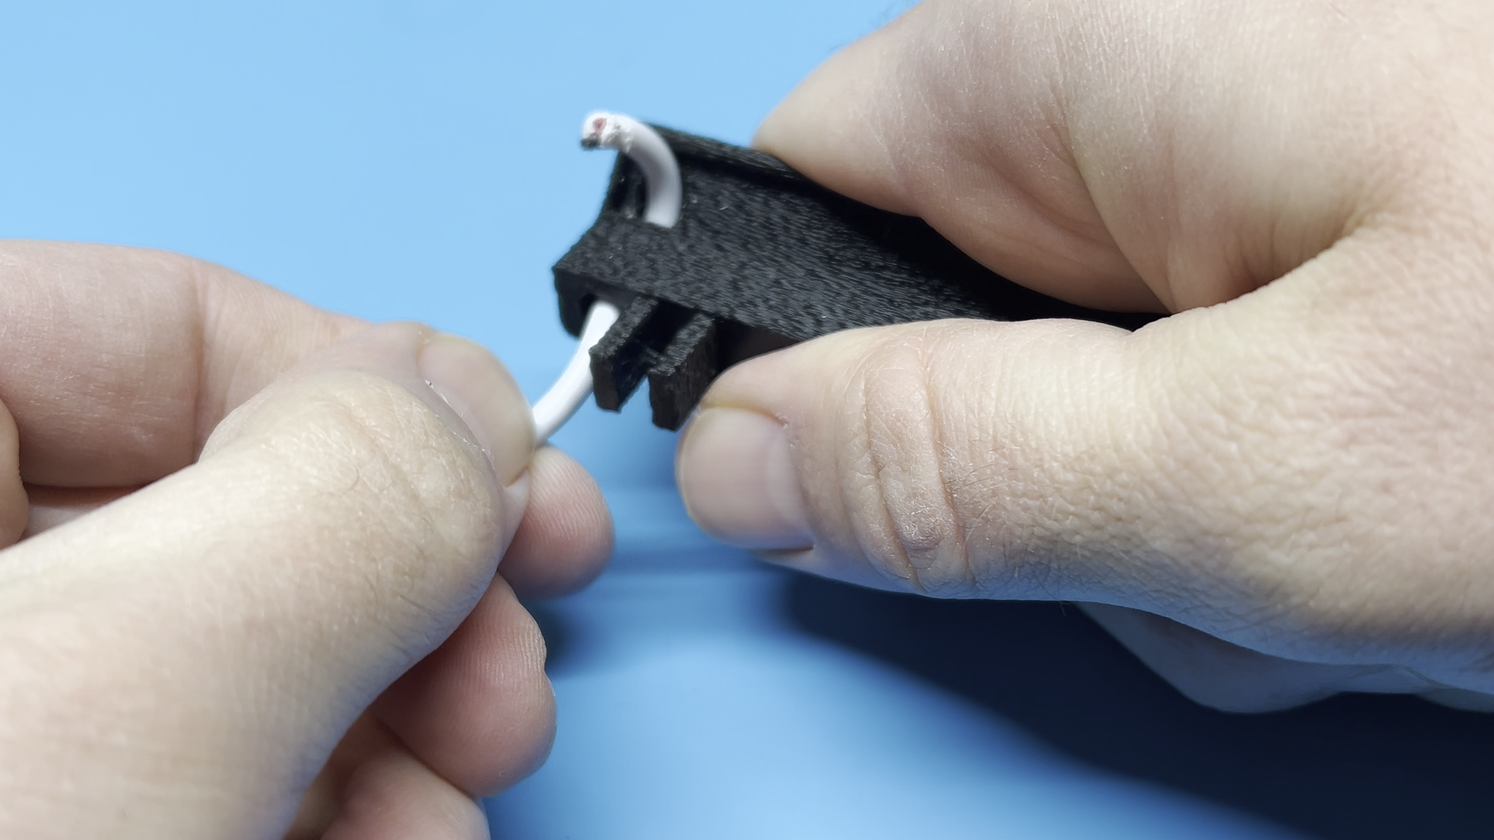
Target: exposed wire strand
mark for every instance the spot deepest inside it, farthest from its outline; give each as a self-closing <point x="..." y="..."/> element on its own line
<point x="643" y="145"/>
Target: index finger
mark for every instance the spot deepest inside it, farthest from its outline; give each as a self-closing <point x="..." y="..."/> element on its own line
<point x="122" y="361"/>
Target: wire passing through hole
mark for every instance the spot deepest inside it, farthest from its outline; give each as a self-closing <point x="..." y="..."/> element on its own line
<point x="661" y="172"/>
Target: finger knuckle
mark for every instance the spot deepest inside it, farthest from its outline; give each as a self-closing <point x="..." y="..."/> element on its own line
<point x="372" y="451"/>
<point x="897" y="473"/>
<point x="407" y="451"/>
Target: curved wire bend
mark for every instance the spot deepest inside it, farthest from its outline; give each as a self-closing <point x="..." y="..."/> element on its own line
<point x="661" y="172"/>
<point x="646" y="148"/>
<point x="574" y="384"/>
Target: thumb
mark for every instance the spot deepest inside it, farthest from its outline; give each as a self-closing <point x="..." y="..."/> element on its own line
<point x="1200" y="468"/>
<point x="954" y="458"/>
<point x="239" y="614"/>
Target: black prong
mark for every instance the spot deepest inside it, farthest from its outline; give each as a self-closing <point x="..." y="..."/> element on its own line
<point x="684" y="372"/>
<point x="618" y="361"/>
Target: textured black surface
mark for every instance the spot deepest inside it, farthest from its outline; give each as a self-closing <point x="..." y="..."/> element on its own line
<point x="761" y="257"/>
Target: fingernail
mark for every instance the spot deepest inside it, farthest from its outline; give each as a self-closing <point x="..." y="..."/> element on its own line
<point x="736" y="474"/>
<point x="483" y="394"/>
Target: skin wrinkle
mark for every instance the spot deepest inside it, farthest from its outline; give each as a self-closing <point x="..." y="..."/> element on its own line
<point x="201" y="411"/>
<point x="237" y="376"/>
<point x="1027" y="567"/>
<point x="888" y="417"/>
<point x="947" y="550"/>
<point x="1080" y="237"/>
<point x="878" y="539"/>
<point x="991" y="479"/>
<point x="1092" y="235"/>
<point x="1232" y="267"/>
<point x="1181" y="261"/>
<point x="869" y="136"/>
<point x="386" y="732"/>
<point x="910" y="168"/>
<point x="945" y="457"/>
<point x="928" y="531"/>
<point x="1097" y="179"/>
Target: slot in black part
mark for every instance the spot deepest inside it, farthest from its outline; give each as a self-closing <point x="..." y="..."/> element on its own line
<point x="684" y="371"/>
<point x="616" y="367"/>
<point x="636" y="345"/>
<point x="769" y="258"/>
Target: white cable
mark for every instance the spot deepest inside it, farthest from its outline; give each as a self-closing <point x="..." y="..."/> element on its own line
<point x="661" y="172"/>
<point x="646" y="148"/>
<point x="574" y="384"/>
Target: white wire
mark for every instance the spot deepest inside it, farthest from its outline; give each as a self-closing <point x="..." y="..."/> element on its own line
<point x="574" y="384"/>
<point x="646" y="148"/>
<point x="661" y="172"/>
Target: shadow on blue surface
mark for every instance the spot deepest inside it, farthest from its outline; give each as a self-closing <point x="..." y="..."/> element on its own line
<point x="1355" y="766"/>
<point x="691" y="705"/>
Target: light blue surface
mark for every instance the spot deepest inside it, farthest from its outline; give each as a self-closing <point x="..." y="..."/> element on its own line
<point x="694" y="709"/>
<point x="419" y="160"/>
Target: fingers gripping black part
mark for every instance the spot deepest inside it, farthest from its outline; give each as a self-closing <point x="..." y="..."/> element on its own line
<point x="761" y="258"/>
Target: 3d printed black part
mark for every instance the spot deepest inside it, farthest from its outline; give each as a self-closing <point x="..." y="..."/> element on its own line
<point x="761" y="258"/>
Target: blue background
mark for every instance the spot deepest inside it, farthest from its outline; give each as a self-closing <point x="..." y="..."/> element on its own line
<point x="396" y="159"/>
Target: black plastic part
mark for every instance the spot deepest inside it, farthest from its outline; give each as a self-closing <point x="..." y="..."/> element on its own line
<point x="761" y="258"/>
<point x="680" y="378"/>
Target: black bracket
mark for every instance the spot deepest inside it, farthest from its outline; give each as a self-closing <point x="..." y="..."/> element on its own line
<point x="761" y="258"/>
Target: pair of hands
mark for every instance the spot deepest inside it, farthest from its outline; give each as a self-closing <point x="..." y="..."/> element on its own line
<point x="1272" y="496"/>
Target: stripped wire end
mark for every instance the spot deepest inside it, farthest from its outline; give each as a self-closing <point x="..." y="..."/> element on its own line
<point x="643" y="145"/>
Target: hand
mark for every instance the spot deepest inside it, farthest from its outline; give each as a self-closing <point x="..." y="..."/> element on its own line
<point x="256" y="591"/>
<point x="1280" y="492"/>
